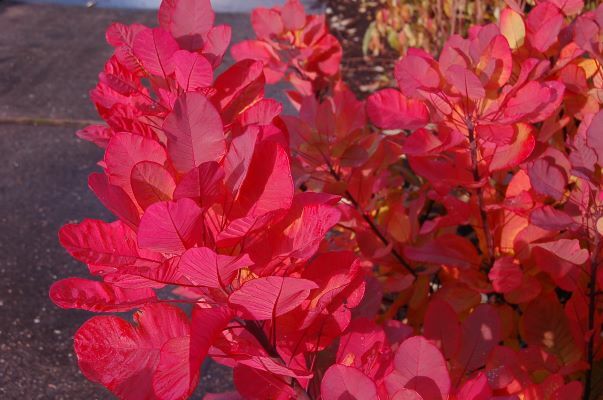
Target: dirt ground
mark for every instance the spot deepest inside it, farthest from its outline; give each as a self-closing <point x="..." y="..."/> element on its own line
<point x="49" y="58"/>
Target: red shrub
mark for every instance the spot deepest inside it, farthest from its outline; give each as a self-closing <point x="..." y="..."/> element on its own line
<point x="445" y="242"/>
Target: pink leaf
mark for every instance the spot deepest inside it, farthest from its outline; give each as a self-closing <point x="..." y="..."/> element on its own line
<point x="98" y="296"/>
<point x="481" y="333"/>
<point x="406" y="394"/>
<point x="217" y="41"/>
<point x="450" y="250"/>
<point x="261" y="113"/>
<point x="124" y="151"/>
<point x="115" y="199"/>
<point x="189" y="21"/>
<point x="203" y="184"/>
<point x="192" y="70"/>
<point x="551" y="219"/>
<point x="238" y="158"/>
<point x="465" y="81"/>
<point x="293" y="14"/>
<point x="255" y="384"/>
<point x="151" y="183"/>
<point x="155" y="48"/>
<point x="342" y="382"/>
<point x="173" y="379"/>
<point x="476" y="389"/>
<point x="390" y="109"/>
<point x="266" y="22"/>
<point x="124" y="357"/>
<point x="543" y="25"/>
<point x="420" y="366"/>
<point x="415" y="72"/>
<point x="594" y="137"/>
<point x="566" y="249"/>
<point x="547" y="178"/>
<point x="270" y="297"/>
<point x="441" y="325"/>
<point x="194" y="131"/>
<point x="505" y="275"/>
<point x="170" y="226"/>
<point x="268" y="186"/>
<point x="206" y="326"/>
<point x="203" y="267"/>
<point x="104" y="244"/>
<point x="513" y="154"/>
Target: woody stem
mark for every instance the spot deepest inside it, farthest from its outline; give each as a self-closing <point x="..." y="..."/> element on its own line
<point x="590" y="349"/>
<point x="367" y="218"/>
<point x="480" y="195"/>
<point x="258" y="333"/>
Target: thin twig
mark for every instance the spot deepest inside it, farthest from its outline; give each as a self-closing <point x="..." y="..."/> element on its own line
<point x="590" y="353"/>
<point x="372" y="224"/>
<point x="480" y="195"/>
<point x="258" y="333"/>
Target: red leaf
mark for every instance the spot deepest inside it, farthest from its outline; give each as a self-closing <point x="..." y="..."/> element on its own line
<point x="261" y="113"/>
<point x="203" y="184"/>
<point x="266" y="22"/>
<point x="98" y="296"/>
<point x="254" y="384"/>
<point x="217" y="41"/>
<point x="203" y="267"/>
<point x="481" y="333"/>
<point x="594" y="137"/>
<point x="173" y="379"/>
<point x="441" y="325"/>
<point x="189" y="21"/>
<point x="194" y="131"/>
<point x="450" y="250"/>
<point x="206" y="326"/>
<point x="476" y="389"/>
<point x="420" y="366"/>
<point x="268" y="185"/>
<point x="104" y="244"/>
<point x="97" y="134"/>
<point x="270" y="297"/>
<point x="545" y="325"/>
<point x="124" y="151"/>
<point x="151" y="183"/>
<point x="512" y="27"/>
<point x="513" y="154"/>
<point x="543" y="25"/>
<point x="170" y="226"/>
<point x="122" y="35"/>
<point x="115" y="199"/>
<point x="571" y="390"/>
<point x="465" y="81"/>
<point x="293" y="15"/>
<point x="306" y="230"/>
<point x="505" y="275"/>
<point x="390" y="109"/>
<point x="238" y="159"/>
<point x="547" y="178"/>
<point x="566" y="249"/>
<point x="155" y="48"/>
<point x="342" y="382"/>
<point x="238" y="87"/>
<point x="551" y="219"/>
<point x="415" y="72"/>
<point x="406" y="394"/>
<point x="124" y="357"/>
<point x="192" y="70"/>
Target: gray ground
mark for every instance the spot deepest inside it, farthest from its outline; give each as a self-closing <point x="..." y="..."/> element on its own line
<point x="49" y="58"/>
